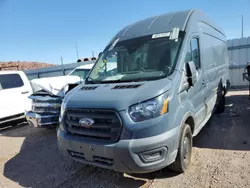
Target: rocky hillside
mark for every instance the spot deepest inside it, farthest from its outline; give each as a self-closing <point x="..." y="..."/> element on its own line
<point x="17" y="65"/>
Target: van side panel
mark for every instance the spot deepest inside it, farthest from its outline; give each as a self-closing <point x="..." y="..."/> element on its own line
<point x="215" y="63"/>
<point x="214" y="66"/>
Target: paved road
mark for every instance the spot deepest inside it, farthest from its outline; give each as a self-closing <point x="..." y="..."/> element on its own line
<point x="29" y="157"/>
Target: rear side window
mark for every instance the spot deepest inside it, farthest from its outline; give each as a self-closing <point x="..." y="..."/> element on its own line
<point x="193" y="52"/>
<point x="8" y="81"/>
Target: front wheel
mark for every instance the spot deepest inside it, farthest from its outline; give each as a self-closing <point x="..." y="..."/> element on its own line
<point x="183" y="158"/>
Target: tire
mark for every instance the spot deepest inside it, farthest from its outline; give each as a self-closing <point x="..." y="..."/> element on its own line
<point x="221" y="105"/>
<point x="184" y="154"/>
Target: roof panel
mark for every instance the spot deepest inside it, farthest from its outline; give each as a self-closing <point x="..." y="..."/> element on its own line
<point x="155" y="24"/>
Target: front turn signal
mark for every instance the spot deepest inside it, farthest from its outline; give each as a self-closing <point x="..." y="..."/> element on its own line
<point x="164" y="109"/>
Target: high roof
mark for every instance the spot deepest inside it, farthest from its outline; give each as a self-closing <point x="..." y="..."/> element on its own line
<point x="155" y="24"/>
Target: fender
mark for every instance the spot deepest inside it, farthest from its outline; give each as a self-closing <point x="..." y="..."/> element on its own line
<point x="180" y="126"/>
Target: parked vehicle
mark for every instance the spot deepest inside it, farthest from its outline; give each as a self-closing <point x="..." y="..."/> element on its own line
<point x="14" y="92"/>
<point x="246" y="76"/>
<point x="172" y="73"/>
<point x="82" y="71"/>
<point x="48" y="95"/>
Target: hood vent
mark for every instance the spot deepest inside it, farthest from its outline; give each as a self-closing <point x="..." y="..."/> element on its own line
<point x="127" y="86"/>
<point x="89" y="87"/>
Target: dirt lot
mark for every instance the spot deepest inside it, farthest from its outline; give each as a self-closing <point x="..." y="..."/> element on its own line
<point x="221" y="157"/>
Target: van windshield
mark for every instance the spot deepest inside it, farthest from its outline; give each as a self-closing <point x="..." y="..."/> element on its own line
<point x="138" y="59"/>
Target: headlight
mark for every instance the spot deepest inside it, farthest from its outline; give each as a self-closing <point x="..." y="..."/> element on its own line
<point x="149" y="109"/>
<point x="63" y="107"/>
<point x="64" y="103"/>
<point x="65" y="100"/>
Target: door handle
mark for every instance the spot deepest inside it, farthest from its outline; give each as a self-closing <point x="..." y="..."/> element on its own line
<point x="25" y="92"/>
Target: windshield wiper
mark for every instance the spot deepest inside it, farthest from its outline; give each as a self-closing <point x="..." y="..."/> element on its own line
<point x="145" y="79"/>
<point x="133" y="72"/>
<point x="123" y="81"/>
<point x="113" y="81"/>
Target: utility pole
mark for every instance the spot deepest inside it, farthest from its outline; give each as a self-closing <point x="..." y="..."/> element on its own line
<point x="61" y="60"/>
<point x="242" y="26"/>
<point x="77" y="55"/>
<point x="93" y="54"/>
<point x="62" y="66"/>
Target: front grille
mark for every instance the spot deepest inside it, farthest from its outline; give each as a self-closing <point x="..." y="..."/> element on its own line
<point x="76" y="155"/>
<point x="46" y="106"/>
<point x="45" y="110"/>
<point x="101" y="160"/>
<point x="107" y="125"/>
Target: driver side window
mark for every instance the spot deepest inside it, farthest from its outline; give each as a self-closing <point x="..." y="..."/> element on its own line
<point x="193" y="52"/>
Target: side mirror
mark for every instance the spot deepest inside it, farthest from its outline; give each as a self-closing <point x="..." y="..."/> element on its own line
<point x="191" y="73"/>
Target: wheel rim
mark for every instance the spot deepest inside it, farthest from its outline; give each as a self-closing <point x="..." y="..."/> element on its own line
<point x="186" y="150"/>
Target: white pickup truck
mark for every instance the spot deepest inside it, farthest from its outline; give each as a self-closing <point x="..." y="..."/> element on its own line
<point x="38" y="100"/>
<point x="14" y="91"/>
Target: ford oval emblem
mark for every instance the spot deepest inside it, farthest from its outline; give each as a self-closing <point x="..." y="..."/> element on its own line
<point x="86" y="122"/>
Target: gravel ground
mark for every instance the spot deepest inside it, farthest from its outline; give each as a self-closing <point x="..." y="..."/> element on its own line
<point x="29" y="157"/>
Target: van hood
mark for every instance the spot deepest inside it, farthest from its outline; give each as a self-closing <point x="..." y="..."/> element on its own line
<point x="118" y="96"/>
<point x="54" y="85"/>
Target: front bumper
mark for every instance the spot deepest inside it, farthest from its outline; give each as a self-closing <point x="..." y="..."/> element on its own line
<point x="128" y="155"/>
<point x="41" y="120"/>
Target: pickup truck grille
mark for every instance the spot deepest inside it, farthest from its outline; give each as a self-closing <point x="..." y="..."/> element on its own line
<point x="46" y="106"/>
<point x="107" y="125"/>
